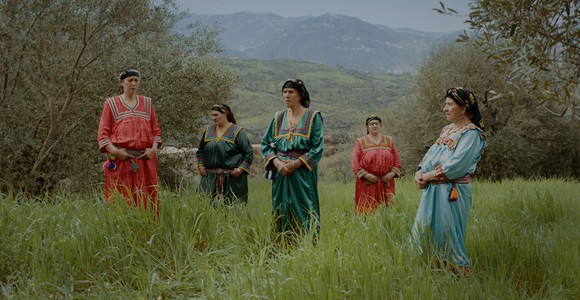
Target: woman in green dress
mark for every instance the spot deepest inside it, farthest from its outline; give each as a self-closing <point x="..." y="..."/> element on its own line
<point x="224" y="157"/>
<point x="292" y="148"/>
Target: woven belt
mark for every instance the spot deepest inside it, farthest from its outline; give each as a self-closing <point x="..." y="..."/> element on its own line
<point x="290" y="154"/>
<point x="135" y="152"/>
<point x="220" y="181"/>
<point x="453" y="193"/>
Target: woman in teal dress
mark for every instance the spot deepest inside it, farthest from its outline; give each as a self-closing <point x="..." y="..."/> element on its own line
<point x="444" y="175"/>
<point x="224" y="157"/>
<point x="292" y="148"/>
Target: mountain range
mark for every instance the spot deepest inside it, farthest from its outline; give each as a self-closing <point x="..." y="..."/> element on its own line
<point x="329" y="39"/>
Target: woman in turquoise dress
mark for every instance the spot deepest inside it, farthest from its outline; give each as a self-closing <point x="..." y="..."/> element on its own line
<point x="292" y="148"/>
<point x="224" y="158"/>
<point x="444" y="175"/>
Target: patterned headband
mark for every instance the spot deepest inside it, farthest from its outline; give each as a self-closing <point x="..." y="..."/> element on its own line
<point x="454" y="94"/>
<point x="220" y="108"/>
<point x="372" y="118"/>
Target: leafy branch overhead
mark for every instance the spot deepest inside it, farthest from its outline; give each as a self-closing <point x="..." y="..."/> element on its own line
<point x="536" y="42"/>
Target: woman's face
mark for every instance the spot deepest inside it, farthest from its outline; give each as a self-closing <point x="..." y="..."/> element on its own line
<point x="374" y="127"/>
<point x="291" y="97"/>
<point x="219" y="118"/>
<point x="453" y="111"/>
<point x="130" y="85"/>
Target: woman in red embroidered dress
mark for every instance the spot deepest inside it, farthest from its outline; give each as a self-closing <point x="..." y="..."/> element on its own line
<point x="376" y="163"/>
<point x="129" y="135"/>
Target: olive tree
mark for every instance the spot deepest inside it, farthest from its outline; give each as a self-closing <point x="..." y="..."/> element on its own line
<point x="60" y="59"/>
<point x="537" y="45"/>
<point x="523" y="140"/>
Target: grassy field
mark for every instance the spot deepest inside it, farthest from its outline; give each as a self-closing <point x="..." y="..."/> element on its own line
<point x="523" y="240"/>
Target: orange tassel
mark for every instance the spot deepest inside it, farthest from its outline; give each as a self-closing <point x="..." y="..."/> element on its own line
<point x="453" y="194"/>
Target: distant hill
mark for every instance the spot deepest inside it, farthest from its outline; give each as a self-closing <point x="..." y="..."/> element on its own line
<point x="344" y="97"/>
<point x="328" y="39"/>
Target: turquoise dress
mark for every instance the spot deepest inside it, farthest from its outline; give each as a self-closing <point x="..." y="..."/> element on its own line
<point x="441" y="222"/>
<point x="295" y="197"/>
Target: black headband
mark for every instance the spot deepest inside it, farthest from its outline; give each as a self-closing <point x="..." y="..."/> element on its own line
<point x="129" y="72"/>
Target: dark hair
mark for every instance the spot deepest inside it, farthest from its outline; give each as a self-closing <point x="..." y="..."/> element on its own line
<point x="298" y="85"/>
<point x="467" y="99"/>
<point x="224" y="109"/>
<point x="372" y="118"/>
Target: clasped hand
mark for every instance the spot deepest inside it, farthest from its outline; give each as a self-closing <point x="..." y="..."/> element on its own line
<point x="122" y="154"/>
<point x="371" y="178"/>
<point x="286" y="167"/>
<point x="419" y="180"/>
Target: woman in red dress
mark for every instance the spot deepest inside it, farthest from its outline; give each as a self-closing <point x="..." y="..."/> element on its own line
<point x="129" y="135"/>
<point x="376" y="163"/>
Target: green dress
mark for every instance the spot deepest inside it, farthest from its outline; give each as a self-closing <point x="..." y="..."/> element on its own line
<point x="295" y="197"/>
<point x="220" y="156"/>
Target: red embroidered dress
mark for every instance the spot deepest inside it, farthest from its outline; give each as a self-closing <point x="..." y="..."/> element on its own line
<point x="131" y="128"/>
<point x="377" y="159"/>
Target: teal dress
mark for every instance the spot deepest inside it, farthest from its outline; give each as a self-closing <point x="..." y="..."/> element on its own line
<point x="441" y="221"/>
<point x="220" y="156"/>
<point x="295" y="204"/>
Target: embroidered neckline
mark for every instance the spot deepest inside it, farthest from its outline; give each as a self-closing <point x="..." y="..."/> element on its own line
<point x="303" y="127"/>
<point x="124" y="101"/>
<point x="291" y="125"/>
<point x="366" y="144"/>
<point x="229" y="135"/>
<point x="371" y="141"/>
<point x="121" y="111"/>
<point x="449" y="138"/>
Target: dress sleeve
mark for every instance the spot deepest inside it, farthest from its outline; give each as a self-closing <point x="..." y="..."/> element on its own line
<point x="200" y="150"/>
<point x="356" y="157"/>
<point x="267" y="146"/>
<point x="314" y="155"/>
<point x="397" y="166"/>
<point x="465" y="156"/>
<point x="155" y="130"/>
<point x="105" y="127"/>
<point x="243" y="142"/>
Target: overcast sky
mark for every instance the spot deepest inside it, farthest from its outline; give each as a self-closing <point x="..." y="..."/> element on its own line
<point x="416" y="14"/>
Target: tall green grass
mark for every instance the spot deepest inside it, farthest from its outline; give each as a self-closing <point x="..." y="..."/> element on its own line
<point x="523" y="240"/>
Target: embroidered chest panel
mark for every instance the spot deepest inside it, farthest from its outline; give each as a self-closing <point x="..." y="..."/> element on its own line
<point x="366" y="144"/>
<point x="449" y="138"/>
<point x="228" y="136"/>
<point x="303" y="128"/>
<point x="121" y="111"/>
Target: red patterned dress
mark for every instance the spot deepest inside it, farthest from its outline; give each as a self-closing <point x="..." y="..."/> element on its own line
<point x="132" y="128"/>
<point x="377" y="159"/>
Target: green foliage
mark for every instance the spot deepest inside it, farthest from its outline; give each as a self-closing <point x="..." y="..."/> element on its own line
<point x="535" y="43"/>
<point x="60" y="59"/>
<point x="522" y="139"/>
<point x="522" y="239"/>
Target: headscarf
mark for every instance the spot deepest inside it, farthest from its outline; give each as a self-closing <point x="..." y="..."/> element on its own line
<point x="298" y="85"/>
<point x="224" y="109"/>
<point x="467" y="99"/>
<point x="372" y="118"/>
<point x="129" y="71"/>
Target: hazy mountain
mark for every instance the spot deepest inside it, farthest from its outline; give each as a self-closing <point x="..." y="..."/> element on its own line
<point x="328" y="39"/>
